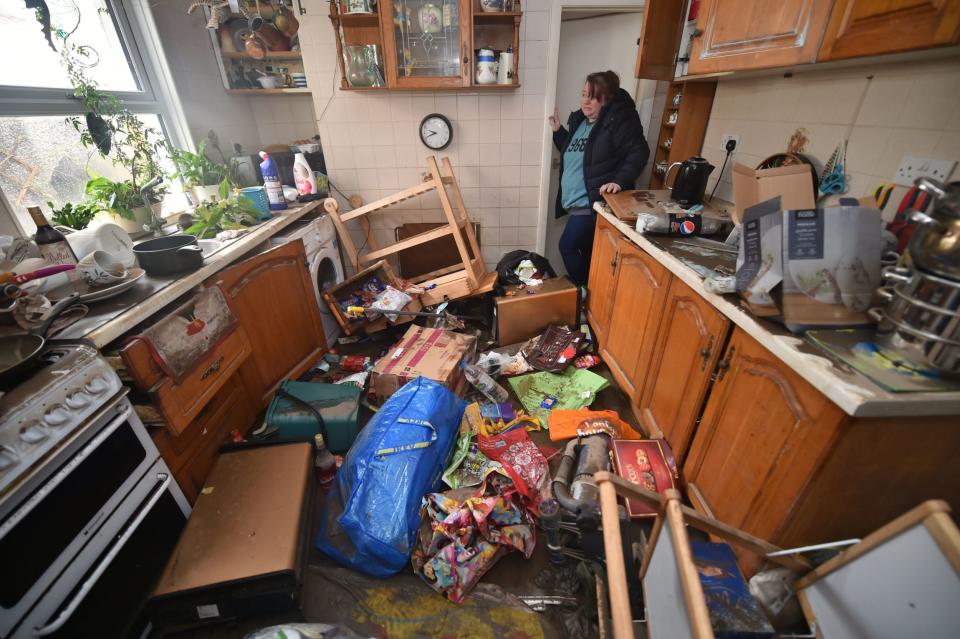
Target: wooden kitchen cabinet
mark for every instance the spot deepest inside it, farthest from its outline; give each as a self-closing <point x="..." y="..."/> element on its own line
<point x="689" y="343"/>
<point x="272" y="296"/>
<point x="602" y="279"/>
<point x="763" y="431"/>
<point x="638" y="297"/>
<point x="874" y="27"/>
<point x="659" y="39"/>
<point x="747" y="34"/>
<point x="775" y="457"/>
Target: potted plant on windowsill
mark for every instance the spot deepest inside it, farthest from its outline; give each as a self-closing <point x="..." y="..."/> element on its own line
<point x="120" y="203"/>
<point x="200" y="175"/>
<point x="225" y="212"/>
<point x="75" y="217"/>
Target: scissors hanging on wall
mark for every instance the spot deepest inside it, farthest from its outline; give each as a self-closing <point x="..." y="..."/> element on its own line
<point x="834" y="179"/>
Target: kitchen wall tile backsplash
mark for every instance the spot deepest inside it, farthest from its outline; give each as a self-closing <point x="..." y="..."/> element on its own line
<point x="496" y="149"/>
<point x="886" y="111"/>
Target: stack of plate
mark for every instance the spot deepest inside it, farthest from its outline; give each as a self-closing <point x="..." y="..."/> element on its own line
<point x="299" y="80"/>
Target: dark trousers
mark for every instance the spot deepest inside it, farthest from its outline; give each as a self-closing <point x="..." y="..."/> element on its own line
<point x="576" y="246"/>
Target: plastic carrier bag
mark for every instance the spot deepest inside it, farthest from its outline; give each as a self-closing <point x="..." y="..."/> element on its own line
<point x="372" y="516"/>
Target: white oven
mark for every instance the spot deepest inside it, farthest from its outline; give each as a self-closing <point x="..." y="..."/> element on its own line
<point x="84" y="535"/>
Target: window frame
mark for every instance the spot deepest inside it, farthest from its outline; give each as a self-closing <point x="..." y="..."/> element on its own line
<point x="158" y="95"/>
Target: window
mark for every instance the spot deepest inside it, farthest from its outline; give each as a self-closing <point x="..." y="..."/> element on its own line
<point x="41" y="157"/>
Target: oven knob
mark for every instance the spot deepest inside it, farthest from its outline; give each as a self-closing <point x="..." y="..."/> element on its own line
<point x="56" y="416"/>
<point x="33" y="433"/>
<point x="96" y="386"/>
<point x="78" y="399"/>
<point x="8" y="457"/>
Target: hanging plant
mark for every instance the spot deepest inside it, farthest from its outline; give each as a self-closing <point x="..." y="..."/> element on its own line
<point x="105" y="124"/>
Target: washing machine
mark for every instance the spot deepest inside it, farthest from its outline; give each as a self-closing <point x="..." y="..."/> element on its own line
<point x="323" y="258"/>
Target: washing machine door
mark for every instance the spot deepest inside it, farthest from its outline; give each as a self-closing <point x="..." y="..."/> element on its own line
<point x="326" y="270"/>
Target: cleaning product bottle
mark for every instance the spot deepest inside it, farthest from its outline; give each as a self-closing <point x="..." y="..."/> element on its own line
<point x="485" y="384"/>
<point x="303" y="176"/>
<point x="271" y="181"/>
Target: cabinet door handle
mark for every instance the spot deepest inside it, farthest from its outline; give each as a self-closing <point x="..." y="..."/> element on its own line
<point x="466" y="58"/>
<point x="705" y="353"/>
<point x="616" y="258"/>
<point x="212" y="369"/>
<point x="724" y="364"/>
<point x="696" y="33"/>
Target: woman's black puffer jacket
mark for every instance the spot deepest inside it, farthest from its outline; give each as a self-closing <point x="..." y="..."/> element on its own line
<point x="616" y="150"/>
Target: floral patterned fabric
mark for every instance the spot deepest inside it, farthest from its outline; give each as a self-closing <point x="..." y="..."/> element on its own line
<point x="465" y="531"/>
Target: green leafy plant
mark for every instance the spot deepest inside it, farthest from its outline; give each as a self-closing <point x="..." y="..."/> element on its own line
<point x="119" y="198"/>
<point x="106" y="123"/>
<point x="224" y="214"/>
<point x="196" y="169"/>
<point x="75" y="216"/>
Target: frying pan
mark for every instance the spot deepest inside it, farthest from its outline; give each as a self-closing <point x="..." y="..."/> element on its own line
<point x="18" y="353"/>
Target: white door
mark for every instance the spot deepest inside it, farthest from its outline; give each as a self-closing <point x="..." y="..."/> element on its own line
<point x="594" y="40"/>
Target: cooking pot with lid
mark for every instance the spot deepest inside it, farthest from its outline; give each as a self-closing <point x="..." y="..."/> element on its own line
<point x="935" y="245"/>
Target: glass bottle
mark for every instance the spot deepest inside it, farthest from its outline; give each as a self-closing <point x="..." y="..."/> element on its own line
<point x="324" y="463"/>
<point x="51" y="242"/>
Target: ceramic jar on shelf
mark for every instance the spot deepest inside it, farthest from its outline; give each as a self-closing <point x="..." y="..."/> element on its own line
<point x="431" y="18"/>
<point x="486" y="67"/>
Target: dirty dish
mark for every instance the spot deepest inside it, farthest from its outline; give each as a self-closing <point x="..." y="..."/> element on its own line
<point x="88" y="293"/>
<point x="100" y="269"/>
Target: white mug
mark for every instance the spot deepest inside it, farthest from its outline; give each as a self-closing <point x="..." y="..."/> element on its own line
<point x="100" y="268"/>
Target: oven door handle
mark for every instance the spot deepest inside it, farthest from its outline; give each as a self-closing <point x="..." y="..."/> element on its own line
<point x="91" y="581"/>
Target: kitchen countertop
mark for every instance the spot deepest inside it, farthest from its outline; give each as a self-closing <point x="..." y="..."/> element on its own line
<point x="852" y="392"/>
<point x="111" y="318"/>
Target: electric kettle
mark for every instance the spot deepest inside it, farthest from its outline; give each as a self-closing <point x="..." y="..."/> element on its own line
<point x="690" y="182"/>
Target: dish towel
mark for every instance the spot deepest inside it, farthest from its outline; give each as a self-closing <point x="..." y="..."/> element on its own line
<point x="182" y="338"/>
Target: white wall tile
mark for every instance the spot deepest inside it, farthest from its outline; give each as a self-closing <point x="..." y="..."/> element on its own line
<point x="530" y="175"/>
<point x="488" y="107"/>
<point x="533" y="106"/>
<point x="489" y="176"/>
<point x="509" y="153"/>
<point x="510" y="176"/>
<point x="510" y="130"/>
<point x="401" y="108"/>
<point x="529" y="196"/>
<point x="467" y="107"/>
<point x="489" y="154"/>
<point x="469" y="155"/>
<point x="511" y="106"/>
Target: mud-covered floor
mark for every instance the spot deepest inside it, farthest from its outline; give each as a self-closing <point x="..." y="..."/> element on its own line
<point x="402" y="606"/>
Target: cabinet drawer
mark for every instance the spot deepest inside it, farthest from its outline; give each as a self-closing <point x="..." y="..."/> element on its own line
<point x="181" y="403"/>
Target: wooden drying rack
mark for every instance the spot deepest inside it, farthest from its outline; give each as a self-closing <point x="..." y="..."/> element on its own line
<point x="465" y="279"/>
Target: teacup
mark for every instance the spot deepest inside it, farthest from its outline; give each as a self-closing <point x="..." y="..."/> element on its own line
<point x="100" y="268"/>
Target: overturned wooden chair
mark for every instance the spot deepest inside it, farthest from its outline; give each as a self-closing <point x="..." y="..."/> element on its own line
<point x="464" y="279"/>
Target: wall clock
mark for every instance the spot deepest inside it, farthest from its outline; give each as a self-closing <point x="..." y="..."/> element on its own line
<point x="436" y="132"/>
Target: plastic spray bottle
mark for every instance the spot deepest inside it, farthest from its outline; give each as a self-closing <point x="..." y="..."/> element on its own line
<point x="271" y="181"/>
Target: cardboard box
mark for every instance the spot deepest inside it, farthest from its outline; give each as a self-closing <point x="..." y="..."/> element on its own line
<point x="424" y="352"/>
<point x="526" y="314"/>
<point x="814" y="268"/>
<point x="794" y="184"/>
<point x="648" y="463"/>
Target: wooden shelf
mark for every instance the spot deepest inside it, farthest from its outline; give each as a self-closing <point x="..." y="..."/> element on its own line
<point x="293" y="90"/>
<point x="494" y="87"/>
<point x="360" y="20"/>
<point x="271" y="55"/>
<point x="350" y="88"/>
<point x="497" y="17"/>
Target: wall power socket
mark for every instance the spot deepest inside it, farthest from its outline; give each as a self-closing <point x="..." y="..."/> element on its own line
<point x="727" y="137"/>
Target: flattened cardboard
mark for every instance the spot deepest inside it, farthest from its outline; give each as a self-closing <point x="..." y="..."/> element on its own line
<point x="424" y="352"/>
<point x="526" y="314"/>
<point x="793" y="184"/>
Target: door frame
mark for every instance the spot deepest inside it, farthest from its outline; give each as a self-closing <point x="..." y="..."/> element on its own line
<point x="549" y="98"/>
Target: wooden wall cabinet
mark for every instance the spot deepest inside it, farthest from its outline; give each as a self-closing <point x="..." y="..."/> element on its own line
<point x="747" y="34"/>
<point x="638" y="296"/>
<point x="272" y="296"/>
<point x="424" y="44"/>
<point x="660" y="39"/>
<point x="689" y="343"/>
<point x="874" y="27"/>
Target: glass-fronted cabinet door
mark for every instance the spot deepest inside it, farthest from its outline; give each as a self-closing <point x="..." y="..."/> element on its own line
<point x="428" y="43"/>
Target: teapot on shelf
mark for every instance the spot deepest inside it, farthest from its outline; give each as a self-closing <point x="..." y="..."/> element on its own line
<point x="486" y="67"/>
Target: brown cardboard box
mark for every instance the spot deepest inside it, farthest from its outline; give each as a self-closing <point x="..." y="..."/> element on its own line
<point x="794" y="185"/>
<point x="424" y="352"/>
<point x="524" y="315"/>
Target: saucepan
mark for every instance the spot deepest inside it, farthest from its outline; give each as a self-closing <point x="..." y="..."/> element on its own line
<point x="18" y="353"/>
<point x="169" y="255"/>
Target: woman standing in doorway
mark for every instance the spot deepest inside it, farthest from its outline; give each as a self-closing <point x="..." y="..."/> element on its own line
<point x="603" y="150"/>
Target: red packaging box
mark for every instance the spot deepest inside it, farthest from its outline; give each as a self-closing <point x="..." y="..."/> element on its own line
<point x="648" y="463"/>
